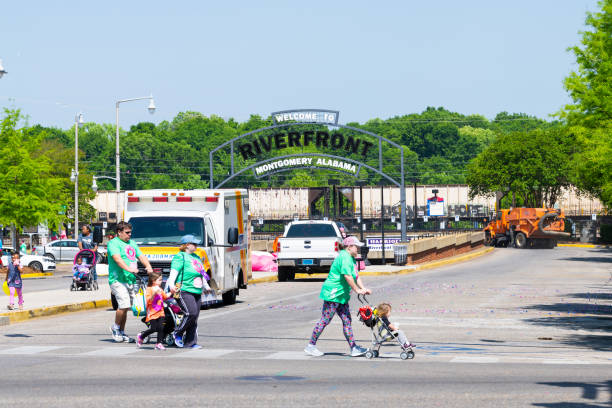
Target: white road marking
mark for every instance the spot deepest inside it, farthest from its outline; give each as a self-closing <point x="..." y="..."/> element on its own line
<point x="466" y="359"/>
<point x="565" y="362"/>
<point x="29" y="349"/>
<point x="111" y="351"/>
<point x="288" y="355"/>
<point x="204" y="353"/>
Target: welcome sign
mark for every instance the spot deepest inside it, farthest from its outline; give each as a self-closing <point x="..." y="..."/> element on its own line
<point x="301" y="162"/>
<point x="307" y="115"/>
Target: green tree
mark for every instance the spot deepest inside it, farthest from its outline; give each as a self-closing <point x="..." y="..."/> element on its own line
<point x="31" y="193"/>
<point x="534" y="166"/>
<point x="590" y="114"/>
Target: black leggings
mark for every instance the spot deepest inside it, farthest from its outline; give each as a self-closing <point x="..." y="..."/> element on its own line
<point x="190" y="303"/>
<point x="155" y="325"/>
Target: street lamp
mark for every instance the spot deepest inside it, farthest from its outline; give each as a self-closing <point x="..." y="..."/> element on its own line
<point x="151" y="108"/>
<point x="94" y="185"/>
<point x="2" y="71"/>
<point x="74" y="176"/>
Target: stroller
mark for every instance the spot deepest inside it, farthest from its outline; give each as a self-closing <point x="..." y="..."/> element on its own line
<point x="85" y="281"/>
<point x="380" y="331"/>
<point x="173" y="314"/>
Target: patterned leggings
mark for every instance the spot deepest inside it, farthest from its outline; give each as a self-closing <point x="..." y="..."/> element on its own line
<point x="328" y="312"/>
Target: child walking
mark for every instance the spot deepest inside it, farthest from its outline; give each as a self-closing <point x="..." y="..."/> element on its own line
<point x="154" y="297"/>
<point x="13" y="278"/>
<point x="384" y="311"/>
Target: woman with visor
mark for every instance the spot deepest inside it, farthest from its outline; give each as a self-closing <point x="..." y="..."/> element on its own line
<point x="187" y="279"/>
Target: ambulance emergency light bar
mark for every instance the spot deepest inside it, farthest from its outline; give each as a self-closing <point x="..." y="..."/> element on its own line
<point x="178" y="197"/>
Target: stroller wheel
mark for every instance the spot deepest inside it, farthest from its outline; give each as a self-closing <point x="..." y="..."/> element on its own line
<point x="407" y="355"/>
<point x="375" y="353"/>
<point x="369" y="354"/>
<point x="169" y="340"/>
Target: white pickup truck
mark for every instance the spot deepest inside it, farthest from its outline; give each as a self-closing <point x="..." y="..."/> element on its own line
<point x="307" y="247"/>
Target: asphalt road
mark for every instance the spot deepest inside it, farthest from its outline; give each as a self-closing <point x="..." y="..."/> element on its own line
<point x="514" y="328"/>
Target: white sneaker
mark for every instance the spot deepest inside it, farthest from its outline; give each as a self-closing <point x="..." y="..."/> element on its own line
<point x="358" y="351"/>
<point x="312" y="350"/>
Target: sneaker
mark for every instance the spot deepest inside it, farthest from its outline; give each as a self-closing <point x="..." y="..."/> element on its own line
<point x="178" y="340"/>
<point x="358" y="351"/>
<point x="159" y="347"/>
<point x="139" y="340"/>
<point x="20" y="307"/>
<point x="10" y="307"/>
<point x="116" y="334"/>
<point x="196" y="347"/>
<point x="409" y="345"/>
<point x="312" y="350"/>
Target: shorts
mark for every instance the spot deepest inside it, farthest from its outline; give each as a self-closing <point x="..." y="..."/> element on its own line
<point x="124" y="294"/>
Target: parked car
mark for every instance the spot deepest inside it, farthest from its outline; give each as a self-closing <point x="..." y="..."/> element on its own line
<point x="60" y="250"/>
<point x="38" y="262"/>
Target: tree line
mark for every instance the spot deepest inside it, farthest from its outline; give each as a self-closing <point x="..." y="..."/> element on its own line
<point x="515" y="153"/>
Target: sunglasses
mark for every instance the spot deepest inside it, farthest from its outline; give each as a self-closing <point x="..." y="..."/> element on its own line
<point x="127" y="232"/>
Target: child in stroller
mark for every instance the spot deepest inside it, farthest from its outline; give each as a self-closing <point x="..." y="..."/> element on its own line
<point x="377" y="320"/>
<point x="82" y="277"/>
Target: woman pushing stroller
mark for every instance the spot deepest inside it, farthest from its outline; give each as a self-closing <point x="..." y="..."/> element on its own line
<point x="187" y="280"/>
<point x="336" y="292"/>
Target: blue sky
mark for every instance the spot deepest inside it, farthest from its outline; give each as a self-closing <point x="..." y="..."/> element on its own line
<point x="236" y="58"/>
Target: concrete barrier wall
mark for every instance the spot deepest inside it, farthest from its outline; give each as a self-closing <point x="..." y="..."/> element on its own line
<point x="418" y="251"/>
<point x="443" y="246"/>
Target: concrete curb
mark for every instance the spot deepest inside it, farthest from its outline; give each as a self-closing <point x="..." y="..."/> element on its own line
<point x="408" y="270"/>
<point x="585" y="246"/>
<point x="36" y="275"/>
<point x="23" y="315"/>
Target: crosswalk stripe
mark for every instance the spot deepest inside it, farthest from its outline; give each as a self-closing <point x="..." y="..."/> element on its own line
<point x="29" y="349"/>
<point x="204" y="353"/>
<point x="111" y="351"/>
<point x="470" y="359"/>
<point x="565" y="362"/>
<point x="130" y="351"/>
<point x="288" y="355"/>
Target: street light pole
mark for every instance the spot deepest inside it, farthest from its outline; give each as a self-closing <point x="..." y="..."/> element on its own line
<point x="78" y="121"/>
<point x="151" y="109"/>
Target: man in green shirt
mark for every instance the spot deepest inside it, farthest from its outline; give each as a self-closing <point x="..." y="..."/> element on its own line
<point x="123" y="254"/>
<point x="336" y="292"/>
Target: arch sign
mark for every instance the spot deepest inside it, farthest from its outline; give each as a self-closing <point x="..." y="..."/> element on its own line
<point x="309" y="139"/>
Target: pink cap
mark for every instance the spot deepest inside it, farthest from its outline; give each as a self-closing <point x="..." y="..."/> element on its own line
<point x="352" y="240"/>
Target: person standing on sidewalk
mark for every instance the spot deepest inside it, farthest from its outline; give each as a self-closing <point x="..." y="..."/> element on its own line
<point x="14" y="281"/>
<point x="187" y="278"/>
<point x="336" y="293"/>
<point x="23" y="248"/>
<point x="123" y="253"/>
<point x="86" y="241"/>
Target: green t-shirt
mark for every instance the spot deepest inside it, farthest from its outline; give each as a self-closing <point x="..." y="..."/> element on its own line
<point x="336" y="288"/>
<point x="190" y="270"/>
<point x="129" y="252"/>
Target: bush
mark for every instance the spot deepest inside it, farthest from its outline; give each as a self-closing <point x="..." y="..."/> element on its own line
<point x="606" y="233"/>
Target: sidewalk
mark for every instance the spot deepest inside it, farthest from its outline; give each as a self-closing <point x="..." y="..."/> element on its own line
<point x="51" y="302"/>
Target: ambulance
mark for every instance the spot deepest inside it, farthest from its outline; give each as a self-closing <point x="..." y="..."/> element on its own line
<point x="217" y="218"/>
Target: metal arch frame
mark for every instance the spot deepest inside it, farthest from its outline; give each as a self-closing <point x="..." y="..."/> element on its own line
<point x="400" y="183"/>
